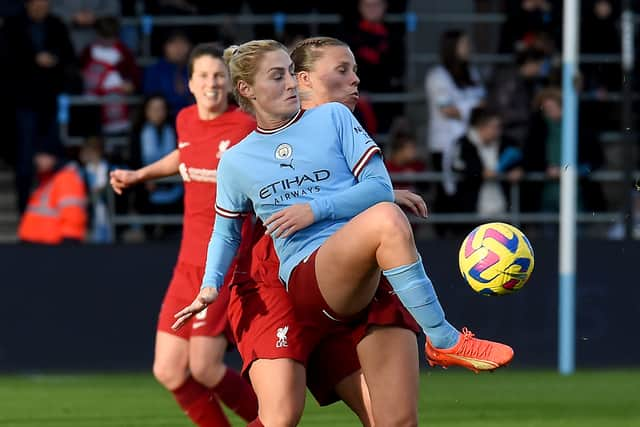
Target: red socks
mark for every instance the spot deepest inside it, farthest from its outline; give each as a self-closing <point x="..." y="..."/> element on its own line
<point x="200" y="405"/>
<point x="235" y="392"/>
<point x="255" y="423"/>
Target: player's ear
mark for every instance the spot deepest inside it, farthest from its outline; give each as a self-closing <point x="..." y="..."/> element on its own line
<point x="245" y="90"/>
<point x="304" y="79"/>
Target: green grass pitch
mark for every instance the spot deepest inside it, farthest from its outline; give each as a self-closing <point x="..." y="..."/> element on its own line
<point x="458" y="398"/>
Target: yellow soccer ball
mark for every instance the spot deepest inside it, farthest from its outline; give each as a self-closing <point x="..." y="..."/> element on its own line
<point x="496" y="259"/>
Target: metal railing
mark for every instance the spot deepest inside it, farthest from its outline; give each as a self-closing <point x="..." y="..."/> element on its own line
<point x="514" y="215"/>
<point x="146" y="23"/>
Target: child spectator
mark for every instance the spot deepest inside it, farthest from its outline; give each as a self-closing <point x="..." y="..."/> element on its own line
<point x="96" y="175"/>
<point x="109" y="68"/>
<point x="154" y="137"/>
<point x="403" y="155"/>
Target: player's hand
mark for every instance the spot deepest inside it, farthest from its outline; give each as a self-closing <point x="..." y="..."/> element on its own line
<point x="289" y="220"/>
<point x="121" y="179"/>
<point x="204" y="298"/>
<point x="412" y="201"/>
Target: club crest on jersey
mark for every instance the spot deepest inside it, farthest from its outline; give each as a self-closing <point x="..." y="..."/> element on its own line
<point x="283" y="152"/>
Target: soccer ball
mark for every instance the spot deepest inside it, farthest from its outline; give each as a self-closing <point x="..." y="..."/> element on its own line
<point x="496" y="259"/>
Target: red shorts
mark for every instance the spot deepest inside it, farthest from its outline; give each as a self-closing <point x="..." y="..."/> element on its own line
<point x="264" y="325"/>
<point x="184" y="286"/>
<point x="335" y="337"/>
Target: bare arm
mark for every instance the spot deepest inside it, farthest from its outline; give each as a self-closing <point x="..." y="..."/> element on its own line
<point x="166" y="166"/>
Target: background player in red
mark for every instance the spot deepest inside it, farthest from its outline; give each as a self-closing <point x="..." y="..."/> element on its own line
<point x="189" y="362"/>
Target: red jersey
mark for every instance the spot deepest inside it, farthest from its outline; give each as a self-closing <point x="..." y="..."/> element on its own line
<point x="201" y="144"/>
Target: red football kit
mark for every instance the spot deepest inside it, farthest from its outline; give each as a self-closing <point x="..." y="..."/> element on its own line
<point x="201" y="144"/>
<point x="268" y="322"/>
<point x="263" y="320"/>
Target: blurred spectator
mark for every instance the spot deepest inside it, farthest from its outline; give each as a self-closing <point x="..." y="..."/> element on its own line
<point x="403" y="154"/>
<point x="41" y="61"/>
<point x="600" y="18"/>
<point x="378" y="54"/>
<point x="96" y="174"/>
<point x="481" y="156"/>
<point x="380" y="57"/>
<point x="109" y="68"/>
<point x="56" y="212"/>
<point x="366" y="115"/>
<point x="542" y="153"/>
<point x="81" y="17"/>
<point x="600" y="79"/>
<point x="453" y="89"/>
<point x="169" y="76"/>
<point x="511" y="92"/>
<point x="529" y="21"/>
<point x="153" y="137"/>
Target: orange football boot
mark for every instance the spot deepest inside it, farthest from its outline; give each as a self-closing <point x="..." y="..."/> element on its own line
<point x="471" y="353"/>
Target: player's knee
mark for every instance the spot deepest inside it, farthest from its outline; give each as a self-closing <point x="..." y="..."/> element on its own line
<point x="280" y="410"/>
<point x="206" y="371"/>
<point x="169" y="375"/>
<point x="392" y="221"/>
<point x="399" y="417"/>
<point x="284" y="416"/>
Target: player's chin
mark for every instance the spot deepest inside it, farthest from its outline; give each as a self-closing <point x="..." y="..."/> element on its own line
<point x="351" y="101"/>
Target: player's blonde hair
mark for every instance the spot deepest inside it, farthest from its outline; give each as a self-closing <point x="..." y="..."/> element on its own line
<point x="243" y="63"/>
<point x="308" y="51"/>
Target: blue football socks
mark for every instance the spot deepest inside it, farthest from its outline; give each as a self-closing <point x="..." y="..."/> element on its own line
<point x="415" y="290"/>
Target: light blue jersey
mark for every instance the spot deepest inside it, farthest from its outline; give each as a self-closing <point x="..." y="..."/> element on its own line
<point x="322" y="157"/>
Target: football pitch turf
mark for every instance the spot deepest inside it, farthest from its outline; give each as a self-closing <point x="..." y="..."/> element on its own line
<point x="512" y="397"/>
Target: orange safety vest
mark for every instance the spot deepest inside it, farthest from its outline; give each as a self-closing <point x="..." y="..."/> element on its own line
<point x="57" y="209"/>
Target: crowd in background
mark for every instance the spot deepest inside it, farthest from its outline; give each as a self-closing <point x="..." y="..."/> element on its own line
<point x="482" y="123"/>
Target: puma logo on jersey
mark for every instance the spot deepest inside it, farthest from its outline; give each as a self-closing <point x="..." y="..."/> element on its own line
<point x="183" y="144"/>
<point x="288" y="165"/>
